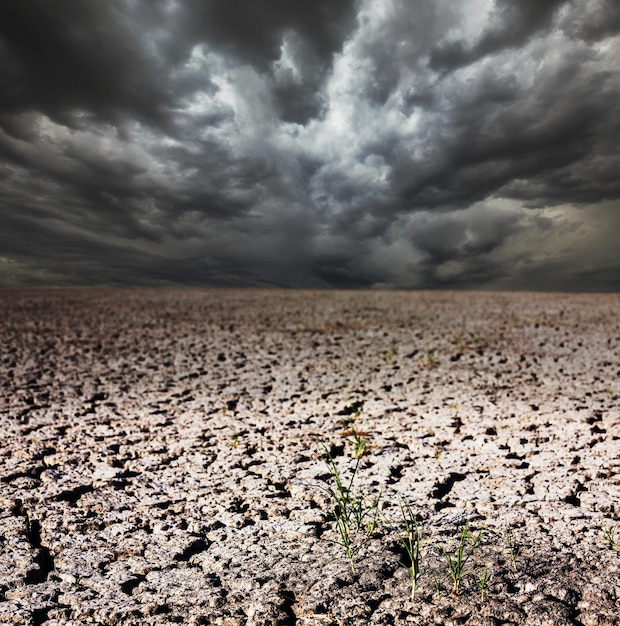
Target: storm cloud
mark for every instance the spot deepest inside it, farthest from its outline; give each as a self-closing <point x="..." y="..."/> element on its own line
<point x="362" y="143"/>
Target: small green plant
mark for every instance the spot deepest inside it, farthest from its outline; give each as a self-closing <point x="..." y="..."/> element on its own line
<point x="411" y="538"/>
<point x="345" y="536"/>
<point x="236" y="436"/>
<point x="391" y="353"/>
<point x="353" y="510"/>
<point x="431" y="359"/>
<point x="462" y="562"/>
<point x="360" y="444"/>
<point x="512" y="550"/>
<point x="482" y="581"/>
<point x="612" y="536"/>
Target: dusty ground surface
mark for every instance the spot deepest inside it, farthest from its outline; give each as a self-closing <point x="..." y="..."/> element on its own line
<point x="162" y="457"/>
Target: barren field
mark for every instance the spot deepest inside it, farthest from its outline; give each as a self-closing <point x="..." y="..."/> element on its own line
<point x="309" y="457"/>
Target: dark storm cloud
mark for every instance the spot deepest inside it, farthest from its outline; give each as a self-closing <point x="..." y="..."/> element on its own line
<point x="501" y="134"/>
<point x="404" y="143"/>
<point x="594" y="21"/>
<point x="252" y="31"/>
<point x="67" y="57"/>
<point x="513" y="24"/>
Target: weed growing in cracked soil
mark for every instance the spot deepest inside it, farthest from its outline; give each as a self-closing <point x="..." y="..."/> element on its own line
<point x="431" y="359"/>
<point x="482" y="581"/>
<point x="411" y="538"/>
<point x="354" y="510"/>
<point x="512" y="550"/>
<point x="461" y="563"/>
<point x="612" y="536"/>
<point x="457" y="559"/>
<point x="361" y="444"/>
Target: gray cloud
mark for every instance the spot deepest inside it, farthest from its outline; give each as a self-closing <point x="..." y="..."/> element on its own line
<point x="77" y="61"/>
<point x="351" y="144"/>
<point x="512" y="25"/>
<point x="252" y="31"/>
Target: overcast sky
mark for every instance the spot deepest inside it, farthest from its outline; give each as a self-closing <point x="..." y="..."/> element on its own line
<point x="323" y="143"/>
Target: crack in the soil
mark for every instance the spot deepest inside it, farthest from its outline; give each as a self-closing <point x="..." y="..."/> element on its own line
<point x="129" y="585"/>
<point x="195" y="547"/>
<point x="40" y="616"/>
<point x="43" y="558"/>
<point x="73" y="495"/>
<point x="442" y="489"/>
<point x="288" y="602"/>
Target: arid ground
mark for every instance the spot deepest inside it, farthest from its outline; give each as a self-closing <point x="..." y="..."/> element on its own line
<point x="175" y="456"/>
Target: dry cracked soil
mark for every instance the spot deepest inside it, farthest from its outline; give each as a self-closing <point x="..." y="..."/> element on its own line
<point x="249" y="457"/>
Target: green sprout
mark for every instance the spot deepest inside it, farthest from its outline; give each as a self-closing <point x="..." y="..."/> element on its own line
<point x="460" y="563"/>
<point x="512" y="551"/>
<point x="353" y="510"/>
<point x="411" y="538"/>
<point x="235" y="437"/>
<point x="391" y="353"/>
<point x="361" y="445"/>
<point x="482" y="582"/>
<point x="612" y="536"/>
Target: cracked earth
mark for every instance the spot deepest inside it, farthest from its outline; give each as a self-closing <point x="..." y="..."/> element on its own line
<point x="163" y="457"/>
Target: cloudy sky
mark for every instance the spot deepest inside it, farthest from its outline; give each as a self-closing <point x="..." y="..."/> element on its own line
<point x="323" y="143"/>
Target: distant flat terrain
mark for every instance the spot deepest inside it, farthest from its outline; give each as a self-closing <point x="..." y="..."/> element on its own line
<point x="173" y="456"/>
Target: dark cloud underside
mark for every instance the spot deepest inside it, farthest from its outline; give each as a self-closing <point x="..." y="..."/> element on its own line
<point x="404" y="143"/>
